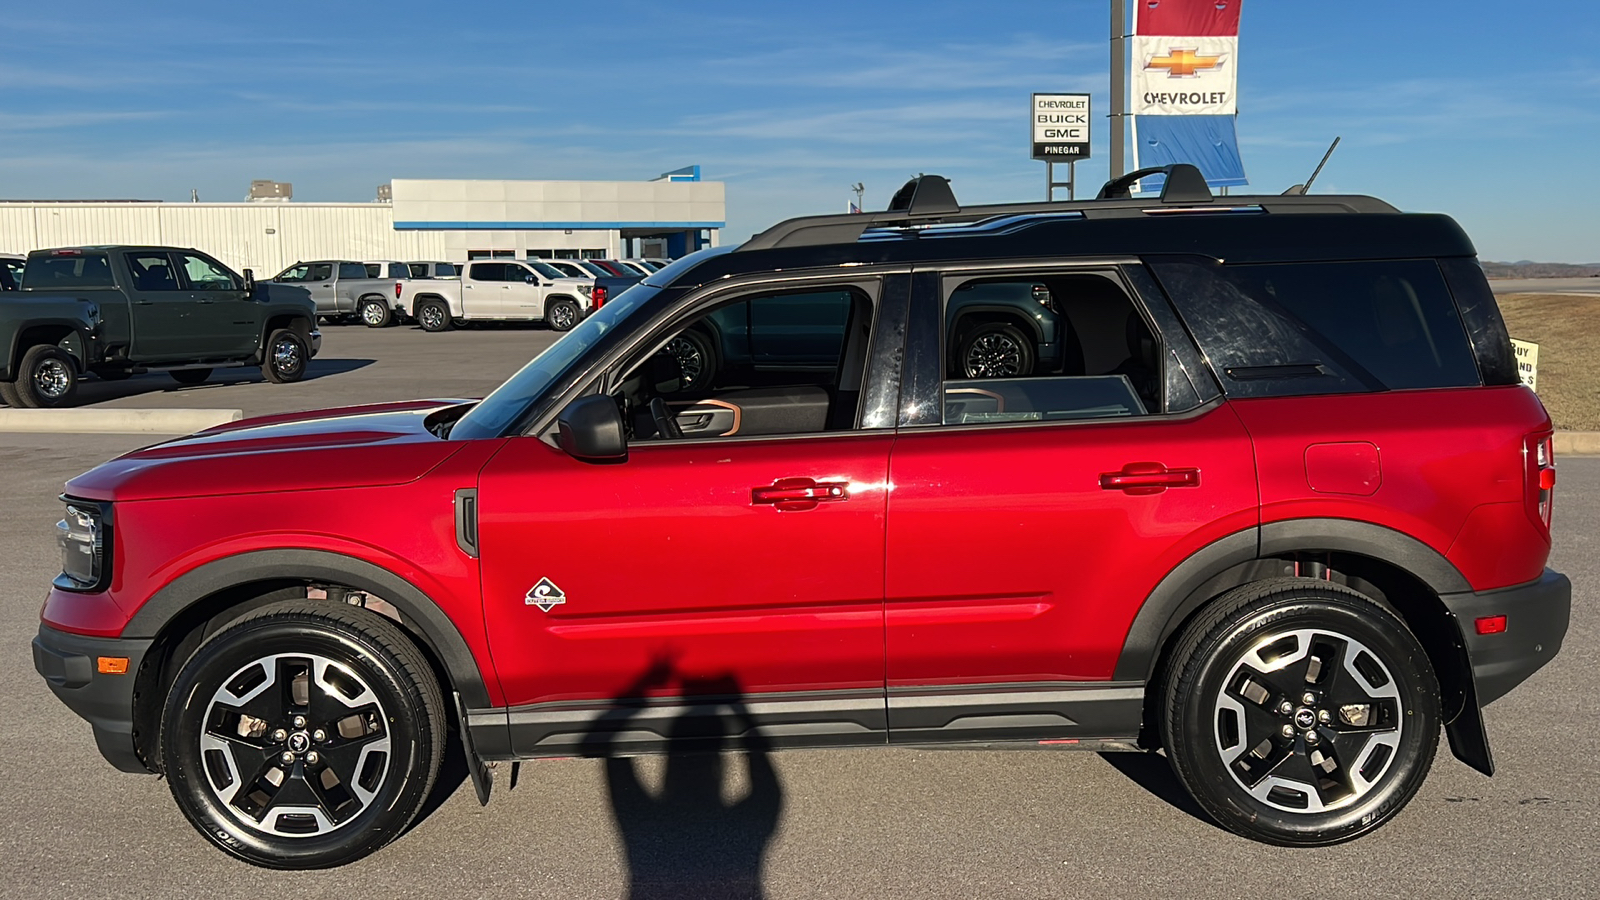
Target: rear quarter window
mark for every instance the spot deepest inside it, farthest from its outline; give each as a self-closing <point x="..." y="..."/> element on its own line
<point x="54" y="273"/>
<point x="1321" y="328"/>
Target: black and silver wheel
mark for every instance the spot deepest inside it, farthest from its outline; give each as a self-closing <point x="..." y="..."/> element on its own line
<point x="561" y="315"/>
<point x="433" y="316"/>
<point x="47" y="377"/>
<point x="1300" y="712"/>
<point x="375" y="313"/>
<point x="995" y="350"/>
<point x="305" y="735"/>
<point x="696" y="359"/>
<point x="190" y="376"/>
<point x="286" y="357"/>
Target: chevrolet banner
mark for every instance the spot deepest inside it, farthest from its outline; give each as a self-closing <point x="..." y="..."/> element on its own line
<point x="1184" y="55"/>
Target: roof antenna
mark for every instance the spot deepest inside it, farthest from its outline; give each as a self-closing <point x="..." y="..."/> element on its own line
<point x="1302" y="188"/>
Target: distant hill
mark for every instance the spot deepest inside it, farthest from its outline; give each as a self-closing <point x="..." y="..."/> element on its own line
<point x="1524" y="269"/>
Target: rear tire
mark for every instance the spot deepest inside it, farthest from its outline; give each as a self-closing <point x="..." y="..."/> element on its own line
<point x="190" y="376"/>
<point x="433" y="315"/>
<point x="47" y="378"/>
<point x="8" y="393"/>
<point x="1300" y="712"/>
<point x="285" y="359"/>
<point x="376" y="313"/>
<point x="305" y="735"/>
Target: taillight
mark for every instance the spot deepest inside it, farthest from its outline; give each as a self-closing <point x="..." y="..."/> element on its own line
<point x="1541" y="476"/>
<point x="397" y="290"/>
<point x="598" y="296"/>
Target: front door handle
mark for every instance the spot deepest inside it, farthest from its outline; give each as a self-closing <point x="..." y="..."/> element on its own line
<point x="145" y="302"/>
<point x="1148" y="478"/>
<point x="797" y="494"/>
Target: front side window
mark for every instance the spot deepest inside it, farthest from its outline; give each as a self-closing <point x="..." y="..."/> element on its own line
<point x="1046" y="347"/>
<point x="764" y="365"/>
<point x="295" y="274"/>
<point x="205" y="275"/>
<point x="320" y="272"/>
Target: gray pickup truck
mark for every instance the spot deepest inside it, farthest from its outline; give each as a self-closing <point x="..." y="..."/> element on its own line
<point x="345" y="290"/>
<point x="118" y="311"/>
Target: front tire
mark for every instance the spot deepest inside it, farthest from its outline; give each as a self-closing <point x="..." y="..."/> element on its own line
<point x="562" y="315"/>
<point x="376" y="313"/>
<point x="286" y="357"/>
<point x="47" y="378"/>
<point x="305" y="735"/>
<point x="1300" y="712"/>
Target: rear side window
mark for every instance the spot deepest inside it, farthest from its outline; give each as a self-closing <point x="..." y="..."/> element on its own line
<point x="1323" y="328"/>
<point x="79" y="270"/>
<point x="488" y="272"/>
<point x="352" y="271"/>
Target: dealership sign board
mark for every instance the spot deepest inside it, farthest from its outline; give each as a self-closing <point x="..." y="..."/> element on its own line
<point x="1060" y="127"/>
<point x="1527" y="362"/>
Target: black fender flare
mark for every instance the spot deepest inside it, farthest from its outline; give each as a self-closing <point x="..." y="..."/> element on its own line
<point x="440" y="633"/>
<point x="1028" y="323"/>
<point x="80" y="340"/>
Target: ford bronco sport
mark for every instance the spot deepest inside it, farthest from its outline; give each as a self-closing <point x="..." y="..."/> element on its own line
<point x="1274" y="503"/>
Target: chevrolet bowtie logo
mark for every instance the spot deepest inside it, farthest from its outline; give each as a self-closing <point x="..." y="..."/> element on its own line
<point x="1183" y="63"/>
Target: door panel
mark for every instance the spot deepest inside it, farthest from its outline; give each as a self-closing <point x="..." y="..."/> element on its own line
<point x="226" y="317"/>
<point x="672" y="562"/>
<point x="481" y="290"/>
<point x="520" y="299"/>
<point x="165" y="326"/>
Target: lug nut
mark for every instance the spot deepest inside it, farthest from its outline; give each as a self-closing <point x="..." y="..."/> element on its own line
<point x="1288" y="731"/>
<point x="300" y="721"/>
<point x="320" y="735"/>
<point x="312" y="757"/>
<point x="286" y="758"/>
<point x="1324" y="716"/>
<point x="1286" y="707"/>
<point x="280" y="735"/>
<point x="1308" y="698"/>
<point x="1312" y="737"/>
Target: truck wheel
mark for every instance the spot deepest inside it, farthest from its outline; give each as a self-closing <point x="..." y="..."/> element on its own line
<point x="190" y="376"/>
<point x="561" y="315"/>
<point x="305" y="735"/>
<point x="46" y="377"/>
<point x="995" y="350"/>
<point x="697" y="361"/>
<point x="432" y="315"/>
<point x="8" y="393"/>
<point x="1300" y="712"/>
<point x="375" y="313"/>
<point x="286" y="357"/>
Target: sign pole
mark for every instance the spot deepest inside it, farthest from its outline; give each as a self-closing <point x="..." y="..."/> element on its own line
<point x="1119" y="83"/>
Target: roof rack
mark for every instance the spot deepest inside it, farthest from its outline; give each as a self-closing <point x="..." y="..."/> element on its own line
<point x="928" y="200"/>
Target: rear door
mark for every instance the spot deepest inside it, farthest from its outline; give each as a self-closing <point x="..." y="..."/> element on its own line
<point x="1033" y="514"/>
<point x="166" y="322"/>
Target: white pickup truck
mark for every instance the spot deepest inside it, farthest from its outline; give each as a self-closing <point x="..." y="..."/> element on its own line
<point x="499" y="290"/>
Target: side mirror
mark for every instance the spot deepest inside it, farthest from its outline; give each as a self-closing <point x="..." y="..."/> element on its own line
<point x="531" y="279"/>
<point x="590" y="429"/>
<point x="249" y="283"/>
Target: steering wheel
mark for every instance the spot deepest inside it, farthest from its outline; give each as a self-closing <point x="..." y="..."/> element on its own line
<point x="666" y="425"/>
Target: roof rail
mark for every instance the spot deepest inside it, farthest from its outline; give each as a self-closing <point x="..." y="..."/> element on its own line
<point x="928" y="200"/>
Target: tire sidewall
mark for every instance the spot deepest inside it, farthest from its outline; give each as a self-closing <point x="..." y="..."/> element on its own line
<point x="31" y="361"/>
<point x="443" y="323"/>
<point x="405" y="784"/>
<point x="1194" y="736"/>
<point x="1025" y="359"/>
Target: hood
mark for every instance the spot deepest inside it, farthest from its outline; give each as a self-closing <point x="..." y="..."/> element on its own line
<point x="359" y="446"/>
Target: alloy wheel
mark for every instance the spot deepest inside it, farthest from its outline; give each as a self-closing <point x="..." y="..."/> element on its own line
<point x="562" y="317"/>
<point x="1308" y="720"/>
<point x="286" y="355"/>
<point x="431" y="317"/>
<point x="691" y="359"/>
<point x="994" y="355"/>
<point x="52" y="379"/>
<point x="295" y="745"/>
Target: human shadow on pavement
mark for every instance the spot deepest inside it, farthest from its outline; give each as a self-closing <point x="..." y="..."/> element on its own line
<point x="1153" y="772"/>
<point x="688" y="839"/>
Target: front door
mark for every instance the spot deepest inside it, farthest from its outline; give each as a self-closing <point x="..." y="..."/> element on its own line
<point x="227" y="318"/>
<point x="1035" y="510"/>
<point x="523" y="297"/>
<point x="736" y="569"/>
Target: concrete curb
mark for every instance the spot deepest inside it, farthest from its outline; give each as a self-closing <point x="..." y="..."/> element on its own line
<point x="114" y="421"/>
<point x="1577" y="443"/>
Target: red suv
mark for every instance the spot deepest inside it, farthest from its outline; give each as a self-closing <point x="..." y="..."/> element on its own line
<point x="1274" y="502"/>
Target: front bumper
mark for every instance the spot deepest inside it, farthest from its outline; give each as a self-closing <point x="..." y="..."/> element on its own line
<point x="1536" y="614"/>
<point x="70" y="665"/>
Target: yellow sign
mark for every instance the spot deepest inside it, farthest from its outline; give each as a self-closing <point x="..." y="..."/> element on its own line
<point x="1527" y="362"/>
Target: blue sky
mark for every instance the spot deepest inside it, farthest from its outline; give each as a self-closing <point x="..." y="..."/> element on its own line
<point x="1488" y="111"/>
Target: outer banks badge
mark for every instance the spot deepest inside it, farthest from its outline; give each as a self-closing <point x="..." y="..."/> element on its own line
<point x="545" y="595"/>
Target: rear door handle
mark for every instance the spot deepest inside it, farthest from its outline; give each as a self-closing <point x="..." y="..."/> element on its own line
<point x="1148" y="478"/>
<point x="797" y="494"/>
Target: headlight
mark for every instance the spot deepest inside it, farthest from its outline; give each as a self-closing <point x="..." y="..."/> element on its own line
<point x="586" y="289"/>
<point x="82" y="545"/>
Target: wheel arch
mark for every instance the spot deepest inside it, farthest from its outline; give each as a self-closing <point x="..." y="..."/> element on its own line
<point x="193" y="606"/>
<point x="1391" y="567"/>
<point x="67" y="335"/>
<point x="976" y="314"/>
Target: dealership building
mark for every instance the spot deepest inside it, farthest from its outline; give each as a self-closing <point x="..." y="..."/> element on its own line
<point x="412" y="219"/>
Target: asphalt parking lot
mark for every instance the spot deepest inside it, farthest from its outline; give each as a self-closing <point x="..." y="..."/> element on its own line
<point x="860" y="824"/>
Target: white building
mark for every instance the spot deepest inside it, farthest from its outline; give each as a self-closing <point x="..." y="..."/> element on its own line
<point x="426" y="220"/>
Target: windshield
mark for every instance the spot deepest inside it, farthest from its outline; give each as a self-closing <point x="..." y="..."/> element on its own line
<point x="496" y="412"/>
<point x="595" y="270"/>
<point x="547" y="271"/>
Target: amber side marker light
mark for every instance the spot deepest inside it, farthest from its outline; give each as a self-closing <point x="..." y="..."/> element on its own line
<point x="113" y="665"/>
<point x="1491" y="625"/>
